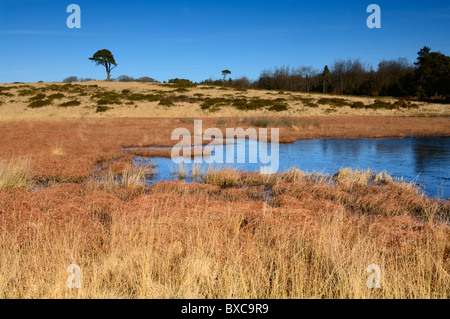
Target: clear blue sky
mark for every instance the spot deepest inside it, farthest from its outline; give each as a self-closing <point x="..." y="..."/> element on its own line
<point x="197" y="39"/>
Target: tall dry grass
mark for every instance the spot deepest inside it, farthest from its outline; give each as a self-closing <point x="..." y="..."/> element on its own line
<point x="289" y="236"/>
<point x="169" y="245"/>
<point x="122" y="179"/>
<point x="128" y="177"/>
<point x="15" y="174"/>
<point x="238" y="235"/>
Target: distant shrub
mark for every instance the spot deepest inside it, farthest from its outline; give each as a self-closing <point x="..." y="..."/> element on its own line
<point x="71" y="79"/>
<point x="144" y="97"/>
<point x="210" y="103"/>
<point x="182" y="83"/>
<point x="126" y="91"/>
<point x="145" y="79"/>
<point x="378" y="104"/>
<point x="70" y="103"/>
<point x="358" y="105"/>
<point x="39" y="103"/>
<point x="125" y="78"/>
<point x="330" y="110"/>
<point x="166" y="102"/>
<point x="39" y="96"/>
<point x="258" y="103"/>
<point x="28" y="92"/>
<point x="406" y="104"/>
<point x="308" y="102"/>
<point x="181" y="90"/>
<point x="278" y="107"/>
<point x="102" y="108"/>
<point x="240" y="103"/>
<point x="106" y="101"/>
<point x="56" y="96"/>
<point x="333" y="102"/>
<point x="105" y="98"/>
<point x="68" y="87"/>
<point x="7" y="94"/>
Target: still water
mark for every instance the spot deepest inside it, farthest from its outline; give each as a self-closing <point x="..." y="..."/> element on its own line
<point x="423" y="160"/>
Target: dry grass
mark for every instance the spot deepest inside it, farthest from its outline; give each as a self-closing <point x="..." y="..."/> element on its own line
<point x="352" y="178"/>
<point x="294" y="174"/>
<point x="129" y="177"/>
<point x="222" y="178"/>
<point x="203" y="241"/>
<point x="245" y="235"/>
<point x="15" y="174"/>
<point x="66" y="150"/>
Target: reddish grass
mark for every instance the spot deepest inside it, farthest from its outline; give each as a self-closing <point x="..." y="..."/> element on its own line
<point x="195" y="231"/>
<point x="67" y="150"/>
<point x="257" y="238"/>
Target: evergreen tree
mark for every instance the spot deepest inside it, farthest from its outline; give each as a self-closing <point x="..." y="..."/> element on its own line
<point x="326" y="78"/>
<point x="104" y="57"/>
<point x="432" y="74"/>
<point x="225" y="73"/>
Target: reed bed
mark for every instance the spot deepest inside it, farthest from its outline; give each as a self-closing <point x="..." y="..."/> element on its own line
<point x="234" y="235"/>
<point x="204" y="241"/>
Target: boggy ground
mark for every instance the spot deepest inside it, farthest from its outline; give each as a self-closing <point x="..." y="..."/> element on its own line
<point x="69" y="194"/>
<point x="68" y="150"/>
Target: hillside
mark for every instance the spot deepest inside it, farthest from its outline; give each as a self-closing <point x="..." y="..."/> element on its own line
<point x="134" y="99"/>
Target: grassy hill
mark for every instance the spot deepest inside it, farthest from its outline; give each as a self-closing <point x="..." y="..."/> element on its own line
<point x="134" y="99"/>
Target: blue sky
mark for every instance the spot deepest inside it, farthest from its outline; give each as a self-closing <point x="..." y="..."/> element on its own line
<point x="197" y="39"/>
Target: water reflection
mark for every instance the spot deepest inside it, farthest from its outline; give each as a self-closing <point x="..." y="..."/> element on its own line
<point x="422" y="159"/>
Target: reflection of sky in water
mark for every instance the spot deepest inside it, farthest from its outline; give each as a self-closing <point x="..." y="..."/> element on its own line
<point x="423" y="159"/>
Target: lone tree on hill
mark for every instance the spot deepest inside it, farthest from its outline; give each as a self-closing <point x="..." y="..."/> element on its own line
<point x="104" y="57"/>
<point x="225" y="73"/>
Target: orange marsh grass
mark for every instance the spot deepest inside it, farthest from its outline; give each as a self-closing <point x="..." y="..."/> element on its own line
<point x="189" y="241"/>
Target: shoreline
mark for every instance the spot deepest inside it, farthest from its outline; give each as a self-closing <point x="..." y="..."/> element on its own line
<point x="107" y="218"/>
<point x="308" y="127"/>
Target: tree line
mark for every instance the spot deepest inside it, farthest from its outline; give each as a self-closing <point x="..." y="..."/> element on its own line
<point x="426" y="79"/>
